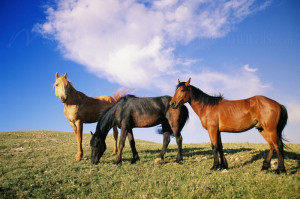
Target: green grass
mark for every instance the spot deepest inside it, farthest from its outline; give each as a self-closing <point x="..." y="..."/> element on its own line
<point x="41" y="164"/>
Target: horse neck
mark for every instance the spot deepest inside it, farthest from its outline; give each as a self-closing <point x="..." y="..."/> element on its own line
<point x="74" y="97"/>
<point x="196" y="105"/>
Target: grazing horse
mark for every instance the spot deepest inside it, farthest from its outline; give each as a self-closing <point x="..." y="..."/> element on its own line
<point x="130" y="112"/>
<point x="220" y="115"/>
<point x="79" y="109"/>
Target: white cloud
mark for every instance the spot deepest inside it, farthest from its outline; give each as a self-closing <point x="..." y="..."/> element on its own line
<point x="293" y="111"/>
<point x="247" y="68"/>
<point x="234" y="85"/>
<point x="132" y="42"/>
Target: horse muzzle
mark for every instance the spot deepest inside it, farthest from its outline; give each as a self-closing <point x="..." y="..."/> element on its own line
<point x="175" y="105"/>
<point x="63" y="100"/>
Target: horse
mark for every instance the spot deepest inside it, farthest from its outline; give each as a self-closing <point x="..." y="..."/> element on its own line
<point x="130" y="112"/>
<point x="220" y="115"/>
<point x="79" y="109"/>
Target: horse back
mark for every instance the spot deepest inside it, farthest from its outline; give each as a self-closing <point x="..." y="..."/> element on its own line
<point x="87" y="109"/>
<point x="241" y="115"/>
<point x="142" y="112"/>
<point x="106" y="98"/>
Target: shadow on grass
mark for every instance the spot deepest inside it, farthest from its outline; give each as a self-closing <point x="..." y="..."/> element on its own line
<point x="196" y="151"/>
<point x="288" y="156"/>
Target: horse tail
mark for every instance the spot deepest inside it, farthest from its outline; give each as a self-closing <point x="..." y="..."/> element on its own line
<point x="184" y="116"/>
<point x="282" y="123"/>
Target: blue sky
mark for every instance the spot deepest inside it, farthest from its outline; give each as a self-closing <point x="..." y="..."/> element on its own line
<point x="237" y="48"/>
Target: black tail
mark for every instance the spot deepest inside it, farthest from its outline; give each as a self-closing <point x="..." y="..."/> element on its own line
<point x="282" y="122"/>
<point x="184" y="116"/>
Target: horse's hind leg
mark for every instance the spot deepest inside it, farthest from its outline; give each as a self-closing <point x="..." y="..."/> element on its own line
<point x="275" y="143"/>
<point x="115" y="129"/>
<point x="267" y="160"/>
<point x="166" y="141"/>
<point x="278" y="145"/>
<point x="135" y="155"/>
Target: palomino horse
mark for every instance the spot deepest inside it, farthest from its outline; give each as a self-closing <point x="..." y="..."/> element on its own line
<point x="130" y="112"/>
<point x="79" y="109"/>
<point x="220" y="115"/>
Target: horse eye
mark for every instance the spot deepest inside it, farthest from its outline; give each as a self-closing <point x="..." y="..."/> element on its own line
<point x="56" y="84"/>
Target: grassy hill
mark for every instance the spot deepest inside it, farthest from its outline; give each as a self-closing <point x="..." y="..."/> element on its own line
<point x="41" y="164"/>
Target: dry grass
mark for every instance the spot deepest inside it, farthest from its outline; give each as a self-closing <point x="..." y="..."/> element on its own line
<point x="40" y="164"/>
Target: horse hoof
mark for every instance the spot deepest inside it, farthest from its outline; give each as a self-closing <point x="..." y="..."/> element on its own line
<point x="117" y="162"/>
<point x="158" y="160"/>
<point x="114" y="152"/>
<point x="134" y="160"/>
<point x="78" y="158"/>
<point x="223" y="167"/>
<point x="215" y="168"/>
<point x="280" y="171"/>
<point x="264" y="168"/>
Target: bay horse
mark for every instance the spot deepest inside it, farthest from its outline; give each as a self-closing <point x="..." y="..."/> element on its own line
<point x="220" y="115"/>
<point x="130" y="112"/>
<point x="79" y="109"/>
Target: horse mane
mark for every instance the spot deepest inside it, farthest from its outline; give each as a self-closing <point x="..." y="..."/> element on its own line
<point x="71" y="84"/>
<point x="206" y="99"/>
<point x="201" y="96"/>
<point x="106" y="119"/>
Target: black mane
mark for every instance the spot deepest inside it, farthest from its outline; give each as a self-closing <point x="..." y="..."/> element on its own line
<point x="200" y="96"/>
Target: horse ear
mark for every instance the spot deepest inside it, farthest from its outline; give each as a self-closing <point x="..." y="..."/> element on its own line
<point x="66" y="75"/>
<point x="178" y="81"/>
<point x="188" y="82"/>
<point x="91" y="133"/>
<point x="56" y="75"/>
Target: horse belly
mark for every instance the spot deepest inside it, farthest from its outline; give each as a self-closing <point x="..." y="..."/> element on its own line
<point x="146" y="121"/>
<point x="238" y="123"/>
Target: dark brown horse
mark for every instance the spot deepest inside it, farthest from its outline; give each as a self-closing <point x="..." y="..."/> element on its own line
<point x="130" y="112"/>
<point x="221" y="115"/>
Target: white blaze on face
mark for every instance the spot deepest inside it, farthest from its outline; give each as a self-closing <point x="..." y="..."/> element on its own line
<point x="60" y="86"/>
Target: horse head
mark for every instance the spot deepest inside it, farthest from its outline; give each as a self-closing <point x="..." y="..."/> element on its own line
<point x="182" y="94"/>
<point x="98" y="147"/>
<point x="62" y="86"/>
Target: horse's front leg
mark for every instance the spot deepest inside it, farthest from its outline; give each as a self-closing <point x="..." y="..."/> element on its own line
<point x="121" y="145"/>
<point x="224" y="164"/>
<point x="77" y="128"/>
<point x="179" y="144"/>
<point x="213" y="135"/>
<point x="135" y="155"/>
<point x="178" y="137"/>
<point x="115" y="130"/>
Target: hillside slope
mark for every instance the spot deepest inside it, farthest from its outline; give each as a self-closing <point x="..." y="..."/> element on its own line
<point x="40" y="164"/>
